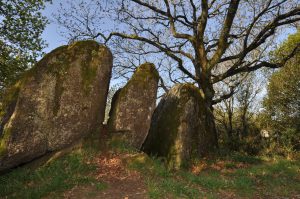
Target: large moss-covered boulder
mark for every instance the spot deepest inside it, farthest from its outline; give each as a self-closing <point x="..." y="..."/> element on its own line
<point x="133" y="105"/>
<point x="56" y="103"/>
<point x="178" y="131"/>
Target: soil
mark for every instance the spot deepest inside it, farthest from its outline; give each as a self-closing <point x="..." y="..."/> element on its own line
<point x="120" y="183"/>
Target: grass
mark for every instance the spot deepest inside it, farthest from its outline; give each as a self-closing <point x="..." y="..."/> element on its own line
<point x="230" y="176"/>
<point x="117" y="144"/>
<point x="278" y="178"/>
<point x="161" y="182"/>
<point x="236" y="176"/>
<point x="52" y="179"/>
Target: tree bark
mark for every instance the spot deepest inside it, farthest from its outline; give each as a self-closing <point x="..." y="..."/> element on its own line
<point x="207" y="92"/>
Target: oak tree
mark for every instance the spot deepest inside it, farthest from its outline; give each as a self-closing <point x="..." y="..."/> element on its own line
<point x="208" y="41"/>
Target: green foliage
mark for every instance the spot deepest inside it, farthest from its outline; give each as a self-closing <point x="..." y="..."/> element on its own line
<point x="236" y="117"/>
<point x="282" y="105"/>
<point x="250" y="143"/>
<point x="286" y="48"/>
<point x="21" y="26"/>
<point x="54" y="178"/>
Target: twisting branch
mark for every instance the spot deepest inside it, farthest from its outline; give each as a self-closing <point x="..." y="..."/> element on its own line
<point x="252" y="66"/>
<point x="223" y="39"/>
<point x="167" y="51"/>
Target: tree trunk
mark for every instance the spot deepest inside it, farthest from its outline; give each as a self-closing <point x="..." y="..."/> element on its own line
<point x="230" y="130"/>
<point x="208" y="92"/>
<point x="244" y="124"/>
<point x="229" y="112"/>
<point x="211" y="125"/>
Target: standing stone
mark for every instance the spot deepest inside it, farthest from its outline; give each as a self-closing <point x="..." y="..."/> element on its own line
<point x="178" y="131"/>
<point x="56" y="103"/>
<point x="133" y="105"/>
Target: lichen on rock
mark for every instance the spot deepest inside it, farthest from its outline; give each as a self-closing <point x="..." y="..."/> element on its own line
<point x="178" y="132"/>
<point x="57" y="102"/>
<point x="133" y="105"/>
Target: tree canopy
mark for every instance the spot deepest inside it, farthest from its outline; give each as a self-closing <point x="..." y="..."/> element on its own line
<point x="282" y="104"/>
<point x="21" y="26"/>
<point x="283" y="100"/>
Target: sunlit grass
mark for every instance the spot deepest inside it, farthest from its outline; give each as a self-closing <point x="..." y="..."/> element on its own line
<point x="52" y="179"/>
<point x="238" y="175"/>
<point x="231" y="176"/>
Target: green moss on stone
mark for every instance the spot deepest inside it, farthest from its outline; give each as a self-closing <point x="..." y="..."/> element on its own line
<point x="88" y="71"/>
<point x="4" y="141"/>
<point x="60" y="60"/>
<point x="170" y="124"/>
<point x="56" y="63"/>
<point x="10" y="96"/>
<point x="59" y="89"/>
<point x="58" y="68"/>
<point x="55" y="52"/>
<point x="190" y="90"/>
<point x="165" y="139"/>
<point x="9" y="101"/>
<point x="84" y="44"/>
<point x="63" y="56"/>
<point x="140" y="78"/>
<point x="143" y="72"/>
<point x="164" y="131"/>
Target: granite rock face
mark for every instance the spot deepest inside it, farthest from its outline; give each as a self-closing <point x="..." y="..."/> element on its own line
<point x="56" y="103"/>
<point x="178" y="130"/>
<point x="133" y="105"/>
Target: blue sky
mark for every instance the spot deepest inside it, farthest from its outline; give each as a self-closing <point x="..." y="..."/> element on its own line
<point x="51" y="33"/>
<point x="54" y="39"/>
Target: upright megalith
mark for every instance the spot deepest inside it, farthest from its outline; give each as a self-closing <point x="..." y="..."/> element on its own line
<point x="133" y="105"/>
<point x="56" y="103"/>
<point x="178" y="131"/>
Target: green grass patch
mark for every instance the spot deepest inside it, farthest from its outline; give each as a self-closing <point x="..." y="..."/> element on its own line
<point x="117" y="144"/>
<point x="276" y="178"/>
<point x="241" y="177"/>
<point x="161" y="182"/>
<point x="231" y="176"/>
<point x="56" y="177"/>
<point x="238" y="158"/>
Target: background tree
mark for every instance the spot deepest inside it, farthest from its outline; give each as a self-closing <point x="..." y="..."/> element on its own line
<point x="21" y="26"/>
<point x="282" y="104"/>
<point x="110" y="95"/>
<point x="236" y="116"/>
<point x="207" y="41"/>
<point x="248" y="102"/>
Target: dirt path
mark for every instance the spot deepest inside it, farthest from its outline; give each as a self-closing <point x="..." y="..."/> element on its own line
<point x="121" y="182"/>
